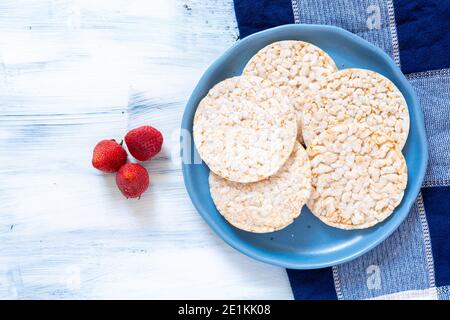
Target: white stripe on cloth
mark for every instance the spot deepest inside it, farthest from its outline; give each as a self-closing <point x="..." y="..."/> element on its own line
<point x="393" y="31"/>
<point x="428" y="74"/>
<point x="337" y="283"/>
<point x="426" y="294"/>
<point x="295" y="11"/>
<point x="427" y="240"/>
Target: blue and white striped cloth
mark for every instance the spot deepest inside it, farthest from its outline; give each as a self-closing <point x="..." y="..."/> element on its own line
<point x="415" y="261"/>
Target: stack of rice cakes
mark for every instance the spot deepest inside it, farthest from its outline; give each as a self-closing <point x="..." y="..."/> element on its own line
<point x="251" y="132"/>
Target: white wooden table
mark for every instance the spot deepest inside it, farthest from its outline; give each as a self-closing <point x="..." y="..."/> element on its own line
<point x="73" y="72"/>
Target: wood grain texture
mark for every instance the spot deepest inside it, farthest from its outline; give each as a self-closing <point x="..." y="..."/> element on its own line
<point x="72" y="73"/>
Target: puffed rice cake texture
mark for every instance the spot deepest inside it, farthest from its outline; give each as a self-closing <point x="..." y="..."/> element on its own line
<point x="245" y="129"/>
<point x="358" y="176"/>
<point x="357" y="95"/>
<point x="267" y="205"/>
<point x="298" y="67"/>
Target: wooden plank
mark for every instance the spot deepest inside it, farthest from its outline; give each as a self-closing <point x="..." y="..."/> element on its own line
<point x="72" y="73"/>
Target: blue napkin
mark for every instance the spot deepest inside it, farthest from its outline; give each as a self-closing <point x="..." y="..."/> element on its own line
<point x="415" y="261"/>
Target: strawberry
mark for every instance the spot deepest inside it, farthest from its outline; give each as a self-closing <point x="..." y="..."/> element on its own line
<point x="108" y="156"/>
<point x="144" y="142"/>
<point x="132" y="180"/>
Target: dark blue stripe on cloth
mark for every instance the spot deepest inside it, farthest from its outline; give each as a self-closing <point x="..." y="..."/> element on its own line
<point x="315" y="284"/>
<point x="257" y="15"/>
<point x="423" y="29"/>
<point x="437" y="207"/>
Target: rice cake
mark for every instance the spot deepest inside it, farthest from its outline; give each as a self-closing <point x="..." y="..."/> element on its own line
<point x="267" y="205"/>
<point x="245" y="129"/>
<point x="358" y="176"/>
<point x="298" y="67"/>
<point x="357" y="95"/>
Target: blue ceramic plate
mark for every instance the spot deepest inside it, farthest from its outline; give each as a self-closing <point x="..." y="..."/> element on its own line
<point x="307" y="243"/>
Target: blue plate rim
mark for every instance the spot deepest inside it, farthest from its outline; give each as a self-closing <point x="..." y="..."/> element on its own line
<point x="416" y="184"/>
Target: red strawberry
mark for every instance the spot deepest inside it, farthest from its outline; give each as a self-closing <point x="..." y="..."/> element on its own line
<point x="132" y="180"/>
<point x="108" y="156"/>
<point x="144" y="142"/>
